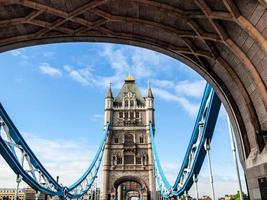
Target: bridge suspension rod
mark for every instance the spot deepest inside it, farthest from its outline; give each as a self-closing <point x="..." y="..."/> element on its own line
<point x="195" y="179"/>
<point x="207" y="148"/>
<point x="231" y="132"/>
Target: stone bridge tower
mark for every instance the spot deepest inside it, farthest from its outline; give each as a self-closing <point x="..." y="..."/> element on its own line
<point x="128" y="162"/>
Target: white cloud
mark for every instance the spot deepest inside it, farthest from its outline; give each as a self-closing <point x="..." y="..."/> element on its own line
<point x="64" y="158"/>
<point x="191" y="108"/>
<point x="183" y="92"/>
<point x="142" y="63"/>
<point x="190" y="88"/>
<point x="48" y="54"/>
<point x="47" y="69"/>
<point x="97" y="117"/>
<point x="82" y="75"/>
<point x="19" y="53"/>
<point x="163" y="83"/>
<point x="15" y="52"/>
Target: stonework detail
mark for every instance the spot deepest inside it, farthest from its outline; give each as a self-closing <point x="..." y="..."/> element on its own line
<point x="128" y="158"/>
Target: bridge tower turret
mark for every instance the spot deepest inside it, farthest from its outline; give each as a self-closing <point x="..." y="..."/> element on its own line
<point x="128" y="168"/>
<point x="108" y="105"/>
<point x="149" y="106"/>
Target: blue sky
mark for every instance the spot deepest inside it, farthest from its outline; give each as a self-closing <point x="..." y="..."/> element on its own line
<point x="55" y="96"/>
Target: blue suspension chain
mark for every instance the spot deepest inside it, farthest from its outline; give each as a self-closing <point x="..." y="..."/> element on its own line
<point x="195" y="154"/>
<point x="17" y="153"/>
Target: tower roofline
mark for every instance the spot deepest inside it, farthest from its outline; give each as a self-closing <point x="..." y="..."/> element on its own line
<point x="109" y="93"/>
<point x="130" y="78"/>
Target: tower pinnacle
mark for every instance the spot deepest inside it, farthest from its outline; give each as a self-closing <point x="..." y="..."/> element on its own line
<point x="129" y="78"/>
<point x="109" y="93"/>
<point x="149" y="91"/>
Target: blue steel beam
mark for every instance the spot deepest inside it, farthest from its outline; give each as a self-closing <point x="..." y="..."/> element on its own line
<point x="195" y="153"/>
<point x="194" y="135"/>
<point x="7" y="150"/>
<point x="162" y="181"/>
<point x="208" y="115"/>
<point x="13" y="162"/>
<point x="93" y="170"/>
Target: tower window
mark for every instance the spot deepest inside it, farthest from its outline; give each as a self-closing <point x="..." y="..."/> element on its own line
<point x="116" y="140"/>
<point x="141" y="139"/>
<point x="128" y="140"/>
<point x="131" y="103"/>
<point x="121" y="115"/>
<point x="113" y="160"/>
<point x="119" y="160"/>
<point x="126" y="103"/>
<point x="137" y="114"/>
<point x="126" y="115"/>
<point x="128" y="159"/>
<point x="138" y="160"/>
<point x="131" y="115"/>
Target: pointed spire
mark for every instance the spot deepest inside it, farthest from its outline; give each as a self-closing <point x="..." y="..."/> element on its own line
<point x="129" y="78"/>
<point x="109" y="94"/>
<point x="149" y="91"/>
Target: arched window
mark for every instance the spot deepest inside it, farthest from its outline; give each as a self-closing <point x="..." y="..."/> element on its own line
<point x="119" y="160"/>
<point x="131" y="115"/>
<point x="132" y="103"/>
<point x="141" y="139"/>
<point x="113" y="160"/>
<point x="144" y="159"/>
<point x="138" y="160"/>
<point x="116" y="140"/>
<point x="126" y="103"/>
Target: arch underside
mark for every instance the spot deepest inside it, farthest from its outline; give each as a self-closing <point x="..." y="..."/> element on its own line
<point x="134" y="179"/>
<point x="223" y="40"/>
<point x="131" y="186"/>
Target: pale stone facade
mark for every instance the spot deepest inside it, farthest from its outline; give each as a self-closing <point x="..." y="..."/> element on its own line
<point x="128" y="154"/>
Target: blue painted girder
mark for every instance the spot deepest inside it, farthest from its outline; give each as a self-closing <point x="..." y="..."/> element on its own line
<point x="209" y="108"/>
<point x="10" y="157"/>
<point x="15" y="164"/>
<point x="208" y="130"/>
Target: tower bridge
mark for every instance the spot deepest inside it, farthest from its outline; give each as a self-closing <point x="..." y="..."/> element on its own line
<point x="131" y="166"/>
<point x="224" y="41"/>
<point x="128" y="151"/>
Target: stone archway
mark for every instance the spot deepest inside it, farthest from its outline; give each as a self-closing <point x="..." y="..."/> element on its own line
<point x="223" y="40"/>
<point x="130" y="184"/>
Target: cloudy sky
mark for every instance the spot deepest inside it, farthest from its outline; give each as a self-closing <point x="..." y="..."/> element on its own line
<point x="55" y="96"/>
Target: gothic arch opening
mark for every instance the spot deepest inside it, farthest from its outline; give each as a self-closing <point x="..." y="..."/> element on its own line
<point x="130" y="188"/>
<point x="224" y="41"/>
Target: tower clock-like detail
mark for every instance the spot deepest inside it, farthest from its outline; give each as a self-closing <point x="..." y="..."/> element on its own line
<point x="128" y="169"/>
